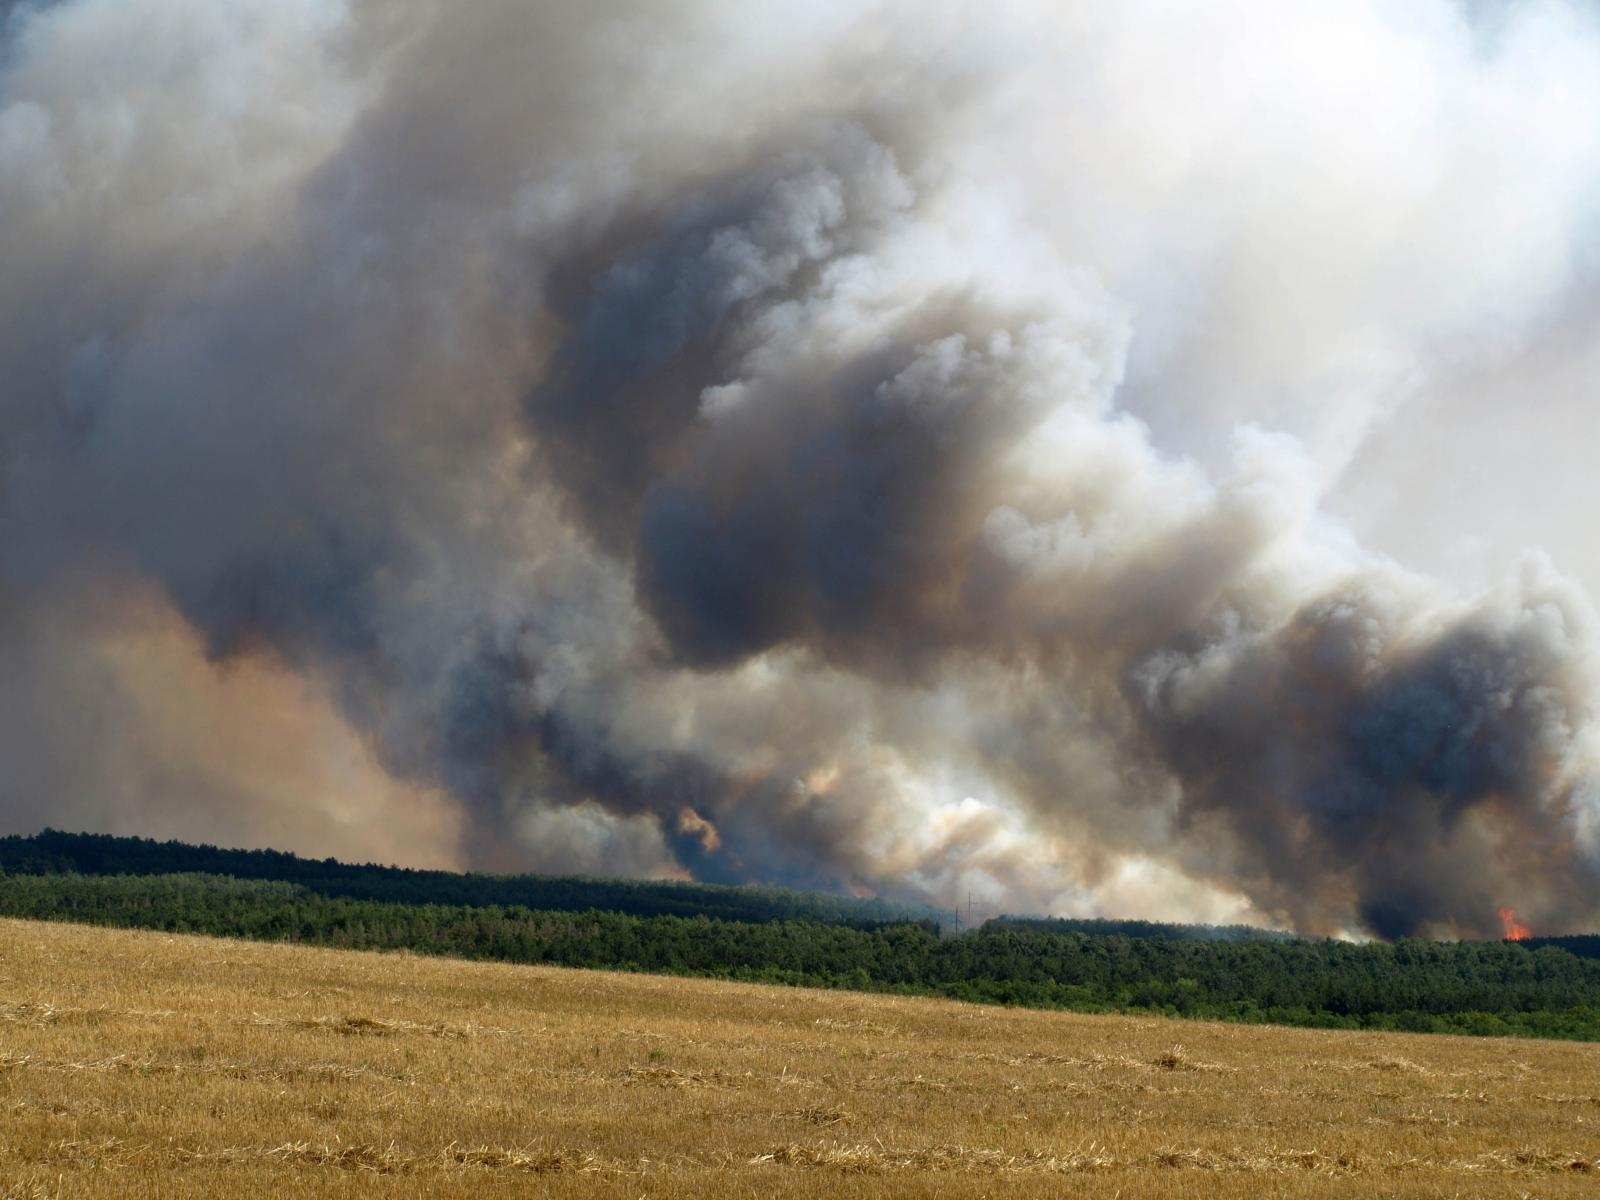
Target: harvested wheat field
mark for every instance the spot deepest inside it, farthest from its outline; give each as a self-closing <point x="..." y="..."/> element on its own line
<point x="141" y="1064"/>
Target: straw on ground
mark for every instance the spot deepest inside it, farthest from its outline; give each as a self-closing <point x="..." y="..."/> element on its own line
<point x="145" y="1065"/>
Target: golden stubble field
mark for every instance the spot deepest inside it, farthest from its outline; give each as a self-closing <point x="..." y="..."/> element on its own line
<point x="145" y="1065"/>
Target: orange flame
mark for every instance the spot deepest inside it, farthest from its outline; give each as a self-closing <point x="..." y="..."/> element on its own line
<point x="1516" y="931"/>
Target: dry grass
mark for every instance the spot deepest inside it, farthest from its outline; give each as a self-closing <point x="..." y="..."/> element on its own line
<point x="141" y="1065"/>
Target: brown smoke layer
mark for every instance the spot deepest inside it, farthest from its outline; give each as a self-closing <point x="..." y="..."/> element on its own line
<point x="877" y="447"/>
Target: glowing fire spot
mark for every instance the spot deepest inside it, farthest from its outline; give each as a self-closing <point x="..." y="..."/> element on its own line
<point x="1516" y="931"/>
<point x="692" y="824"/>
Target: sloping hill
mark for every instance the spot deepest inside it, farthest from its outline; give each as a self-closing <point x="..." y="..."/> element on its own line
<point x="136" y="1064"/>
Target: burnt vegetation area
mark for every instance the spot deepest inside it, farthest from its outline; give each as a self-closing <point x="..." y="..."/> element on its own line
<point x="1538" y="988"/>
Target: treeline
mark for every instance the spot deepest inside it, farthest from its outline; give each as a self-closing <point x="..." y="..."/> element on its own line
<point x="1483" y="988"/>
<point x="53" y="852"/>
<point x="1160" y="930"/>
<point x="1584" y="945"/>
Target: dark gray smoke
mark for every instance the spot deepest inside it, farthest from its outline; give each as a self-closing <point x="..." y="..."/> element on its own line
<point x="1403" y="766"/>
<point x="826" y="447"/>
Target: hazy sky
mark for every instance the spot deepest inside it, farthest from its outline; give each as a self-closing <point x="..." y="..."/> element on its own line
<point x="1128" y="458"/>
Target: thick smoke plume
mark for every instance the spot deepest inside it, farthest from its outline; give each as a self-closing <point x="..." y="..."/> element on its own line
<point x="891" y="447"/>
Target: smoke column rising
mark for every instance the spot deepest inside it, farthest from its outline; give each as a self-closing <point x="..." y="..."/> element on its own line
<point x="890" y="447"/>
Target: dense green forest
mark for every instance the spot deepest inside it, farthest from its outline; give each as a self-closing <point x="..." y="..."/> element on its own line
<point x="1159" y="930"/>
<point x="1481" y="988"/>
<point x="55" y="852"/>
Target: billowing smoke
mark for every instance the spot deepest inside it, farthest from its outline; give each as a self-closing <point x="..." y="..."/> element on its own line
<point x="893" y="447"/>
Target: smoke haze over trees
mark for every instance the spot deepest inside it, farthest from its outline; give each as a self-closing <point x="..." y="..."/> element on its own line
<point x="55" y="853"/>
<point x="898" y="448"/>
